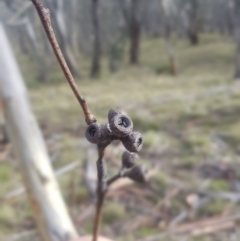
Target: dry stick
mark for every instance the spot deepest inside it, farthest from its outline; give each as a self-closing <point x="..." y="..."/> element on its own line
<point x="44" y="15"/>
<point x="101" y="188"/>
<point x="98" y="215"/>
<point x="114" y="178"/>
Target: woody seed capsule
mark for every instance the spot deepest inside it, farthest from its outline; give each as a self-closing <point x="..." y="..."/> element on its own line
<point x="121" y="125"/>
<point x="105" y="133"/>
<point x="97" y="133"/>
<point x="133" y="142"/>
<point x="137" y="174"/>
<point x="128" y="159"/>
<point x="112" y="113"/>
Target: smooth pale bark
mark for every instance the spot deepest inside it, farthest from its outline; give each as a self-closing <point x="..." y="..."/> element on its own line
<point x="48" y="207"/>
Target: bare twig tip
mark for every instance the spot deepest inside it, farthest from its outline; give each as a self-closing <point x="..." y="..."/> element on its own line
<point x="44" y="15"/>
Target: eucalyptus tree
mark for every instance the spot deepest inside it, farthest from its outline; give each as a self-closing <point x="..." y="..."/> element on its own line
<point x="45" y="198"/>
<point x="134" y="15"/>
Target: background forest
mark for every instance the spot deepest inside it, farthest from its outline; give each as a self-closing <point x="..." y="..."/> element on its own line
<point x="174" y="67"/>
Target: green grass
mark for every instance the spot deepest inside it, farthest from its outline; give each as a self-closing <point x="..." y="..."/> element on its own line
<point x="183" y="127"/>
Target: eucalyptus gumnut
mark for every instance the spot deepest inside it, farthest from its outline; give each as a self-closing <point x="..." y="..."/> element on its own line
<point x="112" y="113"/>
<point x="97" y="133"/>
<point x="121" y="125"/>
<point x="137" y="174"/>
<point x="128" y="159"/>
<point x="133" y="142"/>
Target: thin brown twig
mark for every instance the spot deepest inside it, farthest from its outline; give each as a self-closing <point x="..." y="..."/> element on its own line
<point x="98" y="215"/>
<point x="113" y="179"/>
<point x="101" y="188"/>
<point x="101" y="193"/>
<point x="44" y="15"/>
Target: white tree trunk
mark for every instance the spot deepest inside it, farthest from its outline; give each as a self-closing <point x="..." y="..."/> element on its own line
<point x="49" y="209"/>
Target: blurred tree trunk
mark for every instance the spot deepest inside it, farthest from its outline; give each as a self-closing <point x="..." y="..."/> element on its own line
<point x="35" y="52"/>
<point x="171" y="54"/>
<point x="116" y="50"/>
<point x="95" y="70"/>
<point x="134" y="32"/>
<point x="230" y="18"/>
<point x="237" y="73"/>
<point x="28" y="41"/>
<point x="3" y="131"/>
<point x="235" y="11"/>
<point x="193" y="35"/>
<point x="133" y="24"/>
<point x="73" y="24"/>
<point x="47" y="204"/>
<point x="167" y="36"/>
<point x="23" y="41"/>
<point x="193" y="31"/>
<point x="57" y="14"/>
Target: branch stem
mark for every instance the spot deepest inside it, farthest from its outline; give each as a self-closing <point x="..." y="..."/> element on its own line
<point x="44" y="15"/>
<point x="101" y="187"/>
<point x="113" y="179"/>
<point x="98" y="215"/>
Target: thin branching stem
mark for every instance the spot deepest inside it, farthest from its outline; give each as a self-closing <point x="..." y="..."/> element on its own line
<point x="44" y="15"/>
<point x="113" y="179"/>
<point x="98" y="215"/>
<point x="103" y="184"/>
<point x="101" y="188"/>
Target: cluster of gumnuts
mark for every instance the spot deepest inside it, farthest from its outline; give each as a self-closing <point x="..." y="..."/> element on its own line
<point x="120" y="127"/>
